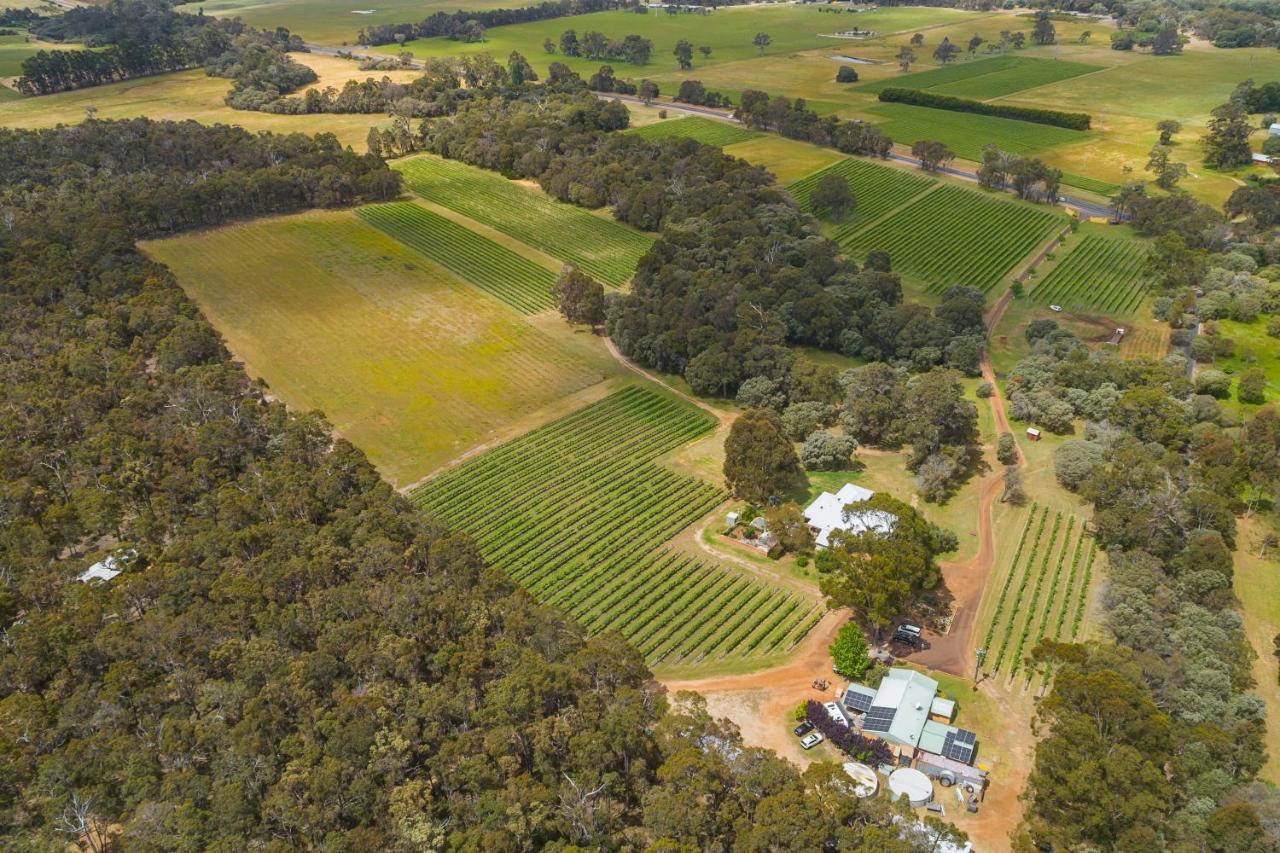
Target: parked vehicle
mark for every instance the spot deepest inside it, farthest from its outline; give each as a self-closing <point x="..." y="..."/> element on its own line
<point x="836" y="713"/>
<point x="811" y="740"/>
<point x="803" y="729"/>
<point x="910" y="634"/>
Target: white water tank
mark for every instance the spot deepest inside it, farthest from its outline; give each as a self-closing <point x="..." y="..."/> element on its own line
<point x="865" y="782"/>
<point x="912" y="784"/>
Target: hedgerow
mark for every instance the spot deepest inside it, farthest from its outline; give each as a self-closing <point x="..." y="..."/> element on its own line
<point x="921" y="98"/>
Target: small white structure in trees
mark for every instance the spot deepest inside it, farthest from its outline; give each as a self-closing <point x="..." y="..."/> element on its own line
<point x="828" y="513"/>
<point x="1274" y="130"/>
<point x="103" y="570"/>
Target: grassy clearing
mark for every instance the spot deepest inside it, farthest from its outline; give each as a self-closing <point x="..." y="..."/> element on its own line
<point x="966" y="134"/>
<point x="1257" y="584"/>
<point x="877" y="189"/>
<point x="1254" y="348"/>
<point x="1098" y="274"/>
<point x="604" y="248"/>
<point x="493" y="268"/>
<point x="958" y="236"/>
<point x="408" y="362"/>
<point x="705" y="130"/>
<point x="193" y="95"/>
<point x="988" y="78"/>
<point x="578" y="512"/>
<point x="788" y="159"/>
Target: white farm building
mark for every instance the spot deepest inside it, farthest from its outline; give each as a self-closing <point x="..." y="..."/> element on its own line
<point x="829" y="513"/>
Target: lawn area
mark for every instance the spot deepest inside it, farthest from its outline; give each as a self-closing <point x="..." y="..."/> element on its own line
<point x="410" y="363"/>
<point x="332" y="21"/>
<point x="728" y="31"/>
<point x="708" y="131"/>
<point x="788" y="159"/>
<point x="598" y="244"/>
<point x="193" y="95"/>
<point x="966" y="133"/>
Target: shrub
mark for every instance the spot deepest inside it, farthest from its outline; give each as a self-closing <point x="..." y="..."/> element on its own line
<point x="849" y="652"/>
<point x="1215" y="383"/>
<point x="1073" y="461"/>
<point x="1252" y="387"/>
<point x="1006" y="449"/>
<point x="799" y="420"/>
<point x="985" y="390"/>
<point x="871" y="751"/>
<point x="846" y="74"/>
<point x="920" y="98"/>
<point x="825" y="451"/>
<point x="761" y="392"/>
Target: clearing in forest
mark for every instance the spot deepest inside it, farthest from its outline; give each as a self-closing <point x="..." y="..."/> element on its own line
<point x="604" y="249"/>
<point x="958" y="236"/>
<point x="987" y="78"/>
<point x="493" y="268"/>
<point x="1098" y="274"/>
<point x="409" y="362"/>
<point x="1042" y="592"/>
<point x="876" y="189"/>
<point x="705" y="130"/>
<point x="577" y="511"/>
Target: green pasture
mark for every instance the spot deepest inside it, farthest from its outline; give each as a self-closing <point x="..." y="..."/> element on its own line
<point x="578" y="512"/>
<point x="984" y="79"/>
<point x="966" y="134"/>
<point x="407" y="361"/>
<point x="600" y="246"/>
<point x="332" y="21"/>
<point x="16" y="48"/>
<point x="728" y="31"/>
<point x="708" y="131"/>
<point x="1253" y="348"/>
<point x="788" y="159"/>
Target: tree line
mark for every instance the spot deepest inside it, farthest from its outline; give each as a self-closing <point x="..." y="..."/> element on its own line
<point x="292" y="656"/>
<point x="463" y="24"/>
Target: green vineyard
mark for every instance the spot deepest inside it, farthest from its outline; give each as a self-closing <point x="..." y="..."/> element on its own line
<point x="601" y="247"/>
<point x="705" y="130"/>
<point x="987" y="78"/>
<point x="876" y="189"/>
<point x="1043" y="594"/>
<point x="493" y="268"/>
<point x="1100" y="273"/>
<point x="958" y="236"/>
<point x="577" y="511"/>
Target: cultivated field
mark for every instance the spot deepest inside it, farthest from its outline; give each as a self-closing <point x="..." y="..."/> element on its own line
<point x="958" y="236"/>
<point x="493" y="268"/>
<point x="602" y="247"/>
<point x="705" y="130"/>
<point x="876" y="189"/>
<point x="1098" y="274"/>
<point x="788" y="159"/>
<point x="966" y="133"/>
<point x="987" y="78"/>
<point x="578" y="512"/>
<point x="1041" y="592"/>
<point x="407" y="361"/>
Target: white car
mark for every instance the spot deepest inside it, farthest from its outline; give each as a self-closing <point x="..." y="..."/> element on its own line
<point x="1055" y="307"/>
<point x="811" y="740"/>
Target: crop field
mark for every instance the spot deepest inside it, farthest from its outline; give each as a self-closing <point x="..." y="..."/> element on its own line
<point x="876" y="189"/>
<point x="1099" y="274"/>
<point x="1093" y="185"/>
<point x="987" y="78"/>
<point x="495" y="269"/>
<point x="577" y="512"/>
<point x="705" y="130"/>
<point x="788" y="159"/>
<point x="958" y="236"/>
<point x="1144" y="342"/>
<point x="1043" y="593"/>
<point x="410" y="363"/>
<point x="966" y="134"/>
<point x="603" y="248"/>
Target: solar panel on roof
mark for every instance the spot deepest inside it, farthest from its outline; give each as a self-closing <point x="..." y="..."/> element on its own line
<point x="857" y="701"/>
<point x="879" y="719"/>
<point x="959" y="745"/>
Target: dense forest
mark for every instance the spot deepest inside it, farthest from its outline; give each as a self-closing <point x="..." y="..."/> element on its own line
<point x="292" y="657"/>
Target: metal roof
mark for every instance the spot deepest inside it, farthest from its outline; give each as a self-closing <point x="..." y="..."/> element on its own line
<point x="858" y="697"/>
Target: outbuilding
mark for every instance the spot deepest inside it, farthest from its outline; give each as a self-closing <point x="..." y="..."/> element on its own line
<point x="1033" y="434"/>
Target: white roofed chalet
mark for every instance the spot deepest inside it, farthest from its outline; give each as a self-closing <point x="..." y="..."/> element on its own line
<point x="829" y="513"/>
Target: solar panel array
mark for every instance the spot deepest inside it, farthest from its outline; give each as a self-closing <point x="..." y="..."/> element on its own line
<point x="960" y="745"/>
<point x="855" y="701"/>
<point x="879" y="719"/>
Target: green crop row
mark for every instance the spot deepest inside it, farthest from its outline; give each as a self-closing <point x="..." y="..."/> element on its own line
<point x="605" y="249"/>
<point x="1100" y="273"/>
<point x="1016" y="656"/>
<point x="1045" y="612"/>
<point x="1082" y="597"/>
<point x="1008" y="579"/>
<point x="577" y="511"/>
<point x="876" y="189"/>
<point x="493" y="268"/>
<point x="1022" y="586"/>
<point x="958" y="236"/>
<point x="705" y="130"/>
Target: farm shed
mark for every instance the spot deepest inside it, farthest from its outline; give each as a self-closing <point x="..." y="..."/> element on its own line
<point x="829" y="513"/>
<point x="1033" y="433"/>
<point x="907" y="713"/>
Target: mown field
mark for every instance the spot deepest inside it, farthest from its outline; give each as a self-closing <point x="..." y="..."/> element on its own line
<point x="408" y="361"/>
<point x="705" y="130"/>
<point x="958" y="236"/>
<point x="493" y="268"/>
<point x="966" y="134"/>
<point x="1042" y="591"/>
<point x="602" y="247"/>
<point x="577" y="511"/>
<point x="728" y="31"/>
<point x="876" y="189"/>
<point x="1098" y="274"/>
<point x="788" y="159"/>
<point x="987" y="78"/>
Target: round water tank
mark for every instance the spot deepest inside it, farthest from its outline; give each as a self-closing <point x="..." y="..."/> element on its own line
<point x="864" y="778"/>
<point x="912" y="784"/>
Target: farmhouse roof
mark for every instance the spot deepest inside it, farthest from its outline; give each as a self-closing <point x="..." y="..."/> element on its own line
<point x="827" y="514"/>
<point x="903" y="702"/>
<point x="103" y="570"/>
